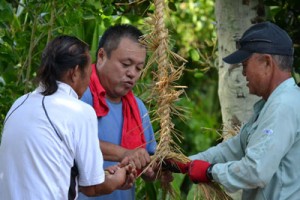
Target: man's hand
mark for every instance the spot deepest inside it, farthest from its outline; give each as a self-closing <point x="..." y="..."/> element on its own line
<point x="175" y="166"/>
<point x="150" y="174"/>
<point x="131" y="174"/>
<point x="140" y="158"/>
<point x="117" y="176"/>
<point x="112" y="169"/>
<point x="154" y="173"/>
<point x="166" y="177"/>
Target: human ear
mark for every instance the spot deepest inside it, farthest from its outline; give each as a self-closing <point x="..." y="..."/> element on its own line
<point x="100" y="55"/>
<point x="75" y="74"/>
<point x="269" y="65"/>
<point x="268" y="61"/>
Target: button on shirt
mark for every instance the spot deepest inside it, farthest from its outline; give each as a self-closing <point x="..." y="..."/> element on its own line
<point x="263" y="159"/>
<point x="35" y="161"/>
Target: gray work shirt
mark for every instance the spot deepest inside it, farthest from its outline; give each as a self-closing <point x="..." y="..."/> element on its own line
<point x="264" y="158"/>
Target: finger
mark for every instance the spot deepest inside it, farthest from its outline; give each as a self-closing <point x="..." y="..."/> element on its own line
<point x="145" y="155"/>
<point x="151" y="173"/>
<point x="131" y="179"/>
<point x="142" y="161"/>
<point x="124" y="162"/>
<point x="137" y="163"/>
<point x="110" y="171"/>
<point x="134" y="172"/>
<point x="129" y="168"/>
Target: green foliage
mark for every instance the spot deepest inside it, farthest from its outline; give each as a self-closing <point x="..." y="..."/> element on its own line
<point x="286" y="14"/>
<point x="26" y="27"/>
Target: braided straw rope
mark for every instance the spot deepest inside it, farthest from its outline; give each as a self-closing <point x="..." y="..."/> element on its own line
<point x="166" y="92"/>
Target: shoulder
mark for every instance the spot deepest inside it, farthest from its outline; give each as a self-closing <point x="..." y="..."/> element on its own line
<point x="284" y="103"/>
<point x="87" y="97"/>
<point x="22" y="98"/>
<point x="72" y="107"/>
<point x="18" y="102"/>
<point x="288" y="96"/>
<point x="140" y="103"/>
<point x="86" y="109"/>
<point x="138" y="100"/>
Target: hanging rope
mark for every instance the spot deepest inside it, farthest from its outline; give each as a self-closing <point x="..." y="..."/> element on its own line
<point x="165" y="92"/>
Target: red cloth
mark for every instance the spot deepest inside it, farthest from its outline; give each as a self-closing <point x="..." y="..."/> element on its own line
<point x="197" y="171"/>
<point x="132" y="131"/>
<point x="98" y="93"/>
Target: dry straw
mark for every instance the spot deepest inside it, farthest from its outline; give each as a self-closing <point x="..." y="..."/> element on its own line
<point x="165" y="92"/>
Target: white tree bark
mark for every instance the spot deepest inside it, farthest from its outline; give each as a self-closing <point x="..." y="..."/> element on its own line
<point x="233" y="18"/>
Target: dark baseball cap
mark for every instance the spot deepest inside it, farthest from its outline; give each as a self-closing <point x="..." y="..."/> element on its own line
<point x="264" y="37"/>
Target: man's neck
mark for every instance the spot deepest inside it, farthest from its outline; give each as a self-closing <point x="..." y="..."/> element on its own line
<point x="113" y="99"/>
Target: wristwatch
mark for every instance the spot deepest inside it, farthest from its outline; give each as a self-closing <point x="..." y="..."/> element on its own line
<point x="209" y="172"/>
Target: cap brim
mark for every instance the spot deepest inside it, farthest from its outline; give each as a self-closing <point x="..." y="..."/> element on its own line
<point x="237" y="57"/>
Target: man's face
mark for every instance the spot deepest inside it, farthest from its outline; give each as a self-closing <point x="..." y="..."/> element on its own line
<point x="119" y="73"/>
<point x="258" y="74"/>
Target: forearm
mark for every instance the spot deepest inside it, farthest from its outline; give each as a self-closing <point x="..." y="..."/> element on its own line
<point x="108" y="186"/>
<point x="112" y="152"/>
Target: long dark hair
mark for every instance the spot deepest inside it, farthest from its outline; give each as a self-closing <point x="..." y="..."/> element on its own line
<point x="61" y="54"/>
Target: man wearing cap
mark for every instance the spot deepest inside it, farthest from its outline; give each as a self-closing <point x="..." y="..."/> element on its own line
<point x="263" y="159"/>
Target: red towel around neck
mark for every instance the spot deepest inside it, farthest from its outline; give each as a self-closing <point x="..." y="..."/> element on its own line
<point x="132" y="131"/>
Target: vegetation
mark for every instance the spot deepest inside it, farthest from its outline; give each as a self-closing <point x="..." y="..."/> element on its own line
<point x="27" y="25"/>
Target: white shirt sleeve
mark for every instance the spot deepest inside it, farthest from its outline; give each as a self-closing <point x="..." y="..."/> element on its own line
<point x="88" y="156"/>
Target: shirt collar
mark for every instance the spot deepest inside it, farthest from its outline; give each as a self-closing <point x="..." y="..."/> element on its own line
<point x="290" y="82"/>
<point x="62" y="88"/>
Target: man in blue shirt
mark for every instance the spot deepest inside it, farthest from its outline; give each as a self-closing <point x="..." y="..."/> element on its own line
<point x="124" y="125"/>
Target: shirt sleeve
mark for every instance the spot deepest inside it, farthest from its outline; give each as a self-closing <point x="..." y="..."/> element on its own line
<point x="223" y="152"/>
<point x="270" y="138"/>
<point x="88" y="156"/>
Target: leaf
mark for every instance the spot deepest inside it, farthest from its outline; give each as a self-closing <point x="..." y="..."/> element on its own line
<point x="172" y="6"/>
<point x="194" y="55"/>
<point x="108" y="10"/>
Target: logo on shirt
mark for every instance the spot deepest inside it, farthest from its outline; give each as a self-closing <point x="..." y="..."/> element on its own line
<point x="268" y="131"/>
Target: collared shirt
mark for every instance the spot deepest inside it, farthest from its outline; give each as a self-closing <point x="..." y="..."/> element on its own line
<point x="263" y="159"/>
<point x="36" y="157"/>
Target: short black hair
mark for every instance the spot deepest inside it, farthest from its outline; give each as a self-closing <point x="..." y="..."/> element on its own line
<point x="112" y="36"/>
<point x="61" y="54"/>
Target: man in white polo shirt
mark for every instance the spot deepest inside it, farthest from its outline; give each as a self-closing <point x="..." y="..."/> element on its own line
<point x="50" y="144"/>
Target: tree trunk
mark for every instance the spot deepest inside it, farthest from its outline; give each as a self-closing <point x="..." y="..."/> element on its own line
<point x="233" y="18"/>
